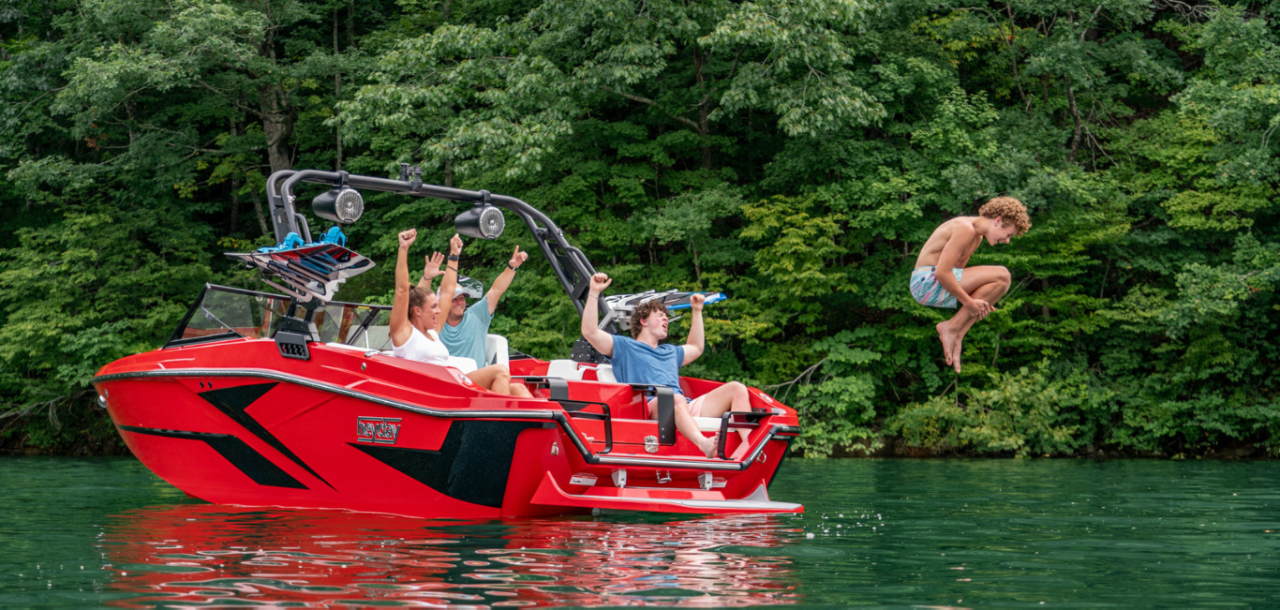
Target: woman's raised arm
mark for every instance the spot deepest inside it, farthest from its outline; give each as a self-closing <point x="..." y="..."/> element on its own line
<point x="400" y="328"/>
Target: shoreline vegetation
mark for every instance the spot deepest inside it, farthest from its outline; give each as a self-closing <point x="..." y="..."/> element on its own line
<point x="793" y="155"/>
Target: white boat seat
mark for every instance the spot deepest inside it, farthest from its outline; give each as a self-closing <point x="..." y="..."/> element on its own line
<point x="497" y="351"/>
<point x="705" y="424"/>
<point x="353" y="348"/>
<point x="708" y="424"/>
<point x="464" y="364"/>
<point x="604" y="372"/>
<point x="564" y="369"/>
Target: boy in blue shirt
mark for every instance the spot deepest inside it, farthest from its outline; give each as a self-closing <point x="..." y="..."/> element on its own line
<point x="465" y="327"/>
<point x="641" y="358"/>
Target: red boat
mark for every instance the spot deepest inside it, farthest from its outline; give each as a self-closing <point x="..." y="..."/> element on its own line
<point x="290" y="400"/>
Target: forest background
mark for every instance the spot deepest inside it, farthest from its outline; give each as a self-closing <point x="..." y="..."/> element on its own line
<point x="792" y="154"/>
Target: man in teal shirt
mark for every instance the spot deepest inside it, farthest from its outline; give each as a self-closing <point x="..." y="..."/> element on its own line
<point x="466" y="327"/>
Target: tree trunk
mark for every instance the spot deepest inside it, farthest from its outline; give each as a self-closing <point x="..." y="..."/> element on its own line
<point x="235" y="188"/>
<point x="697" y="268"/>
<point x="1044" y="309"/>
<point x="702" y="133"/>
<point x="277" y="112"/>
<point x="337" y="91"/>
<point x="703" y="110"/>
<point x="235" y="205"/>
<point x="277" y="125"/>
<point x="262" y="216"/>
<point x="1075" y="115"/>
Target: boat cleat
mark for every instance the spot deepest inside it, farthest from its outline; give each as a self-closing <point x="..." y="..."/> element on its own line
<point x="708" y="482"/>
<point x="583" y="478"/>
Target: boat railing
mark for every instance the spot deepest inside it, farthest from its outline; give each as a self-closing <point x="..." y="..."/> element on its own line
<point x="558" y="391"/>
<point x="751" y="420"/>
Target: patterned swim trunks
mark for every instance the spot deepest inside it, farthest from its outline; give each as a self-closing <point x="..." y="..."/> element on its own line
<point x="928" y="291"/>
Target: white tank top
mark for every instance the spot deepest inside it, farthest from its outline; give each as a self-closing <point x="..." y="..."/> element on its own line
<point x="421" y="349"/>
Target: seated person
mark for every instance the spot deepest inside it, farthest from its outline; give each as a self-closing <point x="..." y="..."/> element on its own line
<point x="416" y="320"/>
<point x="642" y="359"/>
<point x="465" y="327"/>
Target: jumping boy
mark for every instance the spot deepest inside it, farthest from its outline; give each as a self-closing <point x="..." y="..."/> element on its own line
<point x="941" y="279"/>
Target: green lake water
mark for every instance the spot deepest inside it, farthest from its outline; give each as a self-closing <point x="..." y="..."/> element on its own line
<point x="892" y="533"/>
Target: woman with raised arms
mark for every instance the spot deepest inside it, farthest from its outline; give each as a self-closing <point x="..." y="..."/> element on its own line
<point x="416" y="319"/>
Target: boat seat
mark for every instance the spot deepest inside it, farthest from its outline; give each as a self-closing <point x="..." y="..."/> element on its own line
<point x="353" y="348"/>
<point x="705" y="424"/>
<point x="564" y="369"/>
<point x="708" y="424"/>
<point x="604" y="372"/>
<point x="497" y="351"/>
<point x="464" y="364"/>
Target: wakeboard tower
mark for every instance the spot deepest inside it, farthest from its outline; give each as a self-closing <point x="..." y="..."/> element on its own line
<point x="293" y="399"/>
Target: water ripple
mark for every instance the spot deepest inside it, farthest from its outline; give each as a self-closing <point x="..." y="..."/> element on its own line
<point x="895" y="533"/>
<point x="317" y="558"/>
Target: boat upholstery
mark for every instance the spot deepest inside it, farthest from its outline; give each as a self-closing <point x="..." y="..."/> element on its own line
<point x="497" y="350"/>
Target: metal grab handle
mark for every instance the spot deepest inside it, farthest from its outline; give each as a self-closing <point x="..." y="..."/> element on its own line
<point x="576" y="411"/>
<point x="558" y="391"/>
<point x="725" y="424"/>
<point x="557" y="388"/>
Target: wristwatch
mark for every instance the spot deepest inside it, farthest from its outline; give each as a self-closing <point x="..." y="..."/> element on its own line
<point x="453" y="257"/>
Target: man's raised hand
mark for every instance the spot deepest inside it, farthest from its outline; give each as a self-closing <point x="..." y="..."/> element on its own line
<point x="696" y="301"/>
<point x="518" y="258"/>
<point x="432" y="268"/>
<point x="599" y="282"/>
<point x="407" y="238"/>
<point x="455" y="245"/>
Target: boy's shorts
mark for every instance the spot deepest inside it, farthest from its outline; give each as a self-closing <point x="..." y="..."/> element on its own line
<point x="694" y="407"/>
<point x="928" y="291"/>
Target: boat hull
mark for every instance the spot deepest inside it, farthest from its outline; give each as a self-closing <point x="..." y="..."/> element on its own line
<point x="346" y="430"/>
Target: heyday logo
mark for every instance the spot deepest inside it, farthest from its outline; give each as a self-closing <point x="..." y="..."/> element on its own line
<point x="382" y="430"/>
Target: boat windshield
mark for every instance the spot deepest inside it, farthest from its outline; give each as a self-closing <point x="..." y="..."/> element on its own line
<point x="224" y="313"/>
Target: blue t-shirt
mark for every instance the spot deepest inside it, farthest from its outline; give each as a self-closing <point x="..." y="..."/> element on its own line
<point x="636" y="362"/>
<point x="467" y="338"/>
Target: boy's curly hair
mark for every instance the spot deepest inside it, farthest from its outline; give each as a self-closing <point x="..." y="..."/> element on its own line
<point x="1009" y="209"/>
<point x="641" y="312"/>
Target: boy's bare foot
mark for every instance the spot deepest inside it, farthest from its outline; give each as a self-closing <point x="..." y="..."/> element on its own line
<point x="740" y="452"/>
<point x="948" y="337"/>
<point x="709" y="447"/>
<point x="956" y="350"/>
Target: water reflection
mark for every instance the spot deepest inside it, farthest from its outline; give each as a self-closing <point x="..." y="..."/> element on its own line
<point x="203" y="555"/>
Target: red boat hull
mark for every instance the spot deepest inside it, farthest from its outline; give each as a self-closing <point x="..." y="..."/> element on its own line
<point x="343" y="430"/>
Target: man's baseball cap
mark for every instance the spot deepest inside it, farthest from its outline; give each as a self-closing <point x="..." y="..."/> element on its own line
<point x="468" y="287"/>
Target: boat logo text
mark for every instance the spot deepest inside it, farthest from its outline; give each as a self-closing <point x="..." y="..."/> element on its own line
<point x="377" y="429"/>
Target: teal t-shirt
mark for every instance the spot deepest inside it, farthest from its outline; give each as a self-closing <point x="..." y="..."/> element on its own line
<point x="467" y="338"/>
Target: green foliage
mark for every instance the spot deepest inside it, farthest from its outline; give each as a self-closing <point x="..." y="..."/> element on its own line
<point x="1024" y="413"/>
<point x="794" y="155"/>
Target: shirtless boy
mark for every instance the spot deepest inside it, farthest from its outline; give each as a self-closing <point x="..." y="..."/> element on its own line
<point x="941" y="279"/>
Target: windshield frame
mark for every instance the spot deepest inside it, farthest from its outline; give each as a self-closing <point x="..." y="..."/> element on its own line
<point x="176" y="339"/>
